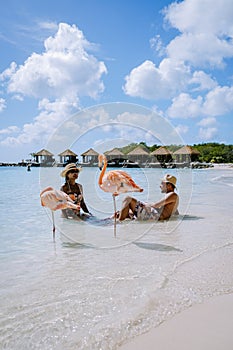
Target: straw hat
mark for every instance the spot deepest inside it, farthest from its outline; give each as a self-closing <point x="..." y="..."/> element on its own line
<point x="68" y="167"/>
<point x="169" y="178"/>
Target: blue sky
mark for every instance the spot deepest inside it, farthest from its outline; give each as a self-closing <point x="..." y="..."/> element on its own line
<point x="58" y="58"/>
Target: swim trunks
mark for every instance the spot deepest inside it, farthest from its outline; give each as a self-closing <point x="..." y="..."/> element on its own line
<point x="144" y="212"/>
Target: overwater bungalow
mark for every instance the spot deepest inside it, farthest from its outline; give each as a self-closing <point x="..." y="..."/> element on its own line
<point x="115" y="157"/>
<point x="44" y="158"/>
<point x="139" y="155"/>
<point x="68" y="156"/>
<point x="186" y="155"/>
<point x="162" y="155"/>
<point x="90" y="157"/>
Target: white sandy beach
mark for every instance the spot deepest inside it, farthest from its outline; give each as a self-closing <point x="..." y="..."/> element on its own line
<point x="206" y="326"/>
<point x="223" y="166"/>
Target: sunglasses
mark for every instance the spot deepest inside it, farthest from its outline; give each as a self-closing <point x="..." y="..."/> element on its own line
<point x="73" y="172"/>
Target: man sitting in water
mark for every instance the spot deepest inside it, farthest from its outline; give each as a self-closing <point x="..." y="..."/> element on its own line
<point x="160" y="210"/>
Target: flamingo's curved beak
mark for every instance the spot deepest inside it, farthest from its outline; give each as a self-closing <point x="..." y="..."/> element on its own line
<point x="100" y="165"/>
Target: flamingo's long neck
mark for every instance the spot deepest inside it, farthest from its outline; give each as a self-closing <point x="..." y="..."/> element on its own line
<point x="102" y="172"/>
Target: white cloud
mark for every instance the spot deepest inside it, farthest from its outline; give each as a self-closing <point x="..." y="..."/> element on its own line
<point x="45" y="124"/>
<point x="202" y="81"/>
<point x="134" y="134"/>
<point x="208" y="128"/>
<point x="156" y="44"/>
<point x="150" y="82"/>
<point x="48" y="25"/>
<point x="215" y="103"/>
<point x="18" y="98"/>
<point x="209" y="50"/>
<point x="2" y="104"/>
<point x="184" y="106"/>
<point x="181" y="129"/>
<point x="191" y="16"/>
<point x="65" y="68"/>
<point x="205" y="30"/>
<point x="165" y="81"/>
<point x="158" y="111"/>
<point x="9" y="72"/>
<point x="205" y="40"/>
<point x="219" y="101"/>
<point x="207" y="133"/>
<point x="9" y="130"/>
<point x="58" y="77"/>
<point x="207" y="121"/>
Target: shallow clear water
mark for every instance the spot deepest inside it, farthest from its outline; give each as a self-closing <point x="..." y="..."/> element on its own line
<point x="90" y="290"/>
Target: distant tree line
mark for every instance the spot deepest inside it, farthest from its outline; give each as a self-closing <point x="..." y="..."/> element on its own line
<point x="209" y="152"/>
<point x="215" y="152"/>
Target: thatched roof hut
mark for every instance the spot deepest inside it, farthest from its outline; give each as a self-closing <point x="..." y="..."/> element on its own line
<point x="139" y="150"/>
<point x="162" y="154"/>
<point x="43" y="153"/>
<point x="68" y="156"/>
<point x="115" y="157"/>
<point x="161" y="151"/>
<point x="44" y="157"/>
<point x="186" y="154"/>
<point x="90" y="156"/>
<point x="114" y="153"/>
<point x="138" y="155"/>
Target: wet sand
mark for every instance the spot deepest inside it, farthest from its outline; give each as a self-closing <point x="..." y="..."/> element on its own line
<point x="206" y="326"/>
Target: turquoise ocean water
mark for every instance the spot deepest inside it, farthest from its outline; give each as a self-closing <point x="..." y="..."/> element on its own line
<point x="91" y="290"/>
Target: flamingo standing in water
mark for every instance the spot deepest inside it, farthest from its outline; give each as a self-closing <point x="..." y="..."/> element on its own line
<point x="55" y="200"/>
<point x="115" y="182"/>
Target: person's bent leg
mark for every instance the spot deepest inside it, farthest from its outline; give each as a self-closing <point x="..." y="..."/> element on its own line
<point x="128" y="204"/>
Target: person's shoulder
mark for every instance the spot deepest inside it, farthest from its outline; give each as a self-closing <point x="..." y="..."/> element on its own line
<point x="175" y="195"/>
<point x="63" y="187"/>
<point x="171" y="195"/>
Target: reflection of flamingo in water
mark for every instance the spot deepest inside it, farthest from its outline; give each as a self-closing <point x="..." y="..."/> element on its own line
<point x="55" y="200"/>
<point x="115" y="182"/>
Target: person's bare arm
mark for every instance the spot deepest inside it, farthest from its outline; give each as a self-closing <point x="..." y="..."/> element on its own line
<point x="169" y="198"/>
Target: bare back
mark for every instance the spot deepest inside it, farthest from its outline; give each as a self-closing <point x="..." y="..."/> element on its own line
<point x="170" y="206"/>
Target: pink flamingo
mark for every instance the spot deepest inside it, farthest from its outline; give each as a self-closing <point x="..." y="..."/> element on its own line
<point x="115" y="182"/>
<point x="55" y="200"/>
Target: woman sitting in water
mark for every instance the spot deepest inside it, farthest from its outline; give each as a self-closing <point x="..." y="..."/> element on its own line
<point x="74" y="190"/>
